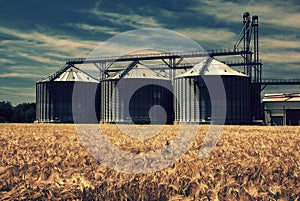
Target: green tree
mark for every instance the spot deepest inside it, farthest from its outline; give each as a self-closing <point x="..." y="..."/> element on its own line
<point x="6" y="111"/>
<point x="24" y="112"/>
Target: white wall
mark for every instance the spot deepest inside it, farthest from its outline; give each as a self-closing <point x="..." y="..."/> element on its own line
<point x="278" y="109"/>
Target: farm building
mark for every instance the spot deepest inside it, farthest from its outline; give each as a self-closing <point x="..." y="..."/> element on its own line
<point x="129" y="96"/>
<point x="193" y="103"/>
<point x="55" y="99"/>
<point x="282" y="109"/>
<point x="155" y="91"/>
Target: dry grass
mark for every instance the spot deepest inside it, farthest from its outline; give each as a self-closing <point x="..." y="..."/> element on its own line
<point x="44" y="161"/>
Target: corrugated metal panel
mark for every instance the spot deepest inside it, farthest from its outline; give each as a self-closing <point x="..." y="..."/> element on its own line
<point x="55" y="98"/>
<point x="194" y="99"/>
<point x="192" y="103"/>
<point x="55" y="101"/>
<point x="117" y="106"/>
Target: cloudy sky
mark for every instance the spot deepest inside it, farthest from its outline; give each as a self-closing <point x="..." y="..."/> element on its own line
<point x="37" y="36"/>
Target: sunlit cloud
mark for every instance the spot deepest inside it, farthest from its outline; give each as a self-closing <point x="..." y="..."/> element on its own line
<point x="37" y="58"/>
<point x="93" y="28"/>
<point x="54" y="43"/>
<point x="19" y="75"/>
<point x="7" y="61"/>
<point x="219" y="35"/>
<point x="271" y="12"/>
<point x="17" y="95"/>
<point x="117" y="19"/>
<point x="279" y="57"/>
<point x="279" y="43"/>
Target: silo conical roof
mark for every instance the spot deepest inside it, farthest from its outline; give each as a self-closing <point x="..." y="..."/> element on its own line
<point x="137" y="71"/>
<point x="71" y="74"/>
<point x="215" y="67"/>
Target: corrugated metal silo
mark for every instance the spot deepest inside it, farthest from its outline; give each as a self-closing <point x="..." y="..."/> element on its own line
<point x="132" y="96"/>
<point x="55" y="98"/>
<point x="193" y="102"/>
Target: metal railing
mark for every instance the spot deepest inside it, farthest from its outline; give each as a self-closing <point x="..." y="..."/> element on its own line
<point x="156" y="56"/>
<point x="279" y="81"/>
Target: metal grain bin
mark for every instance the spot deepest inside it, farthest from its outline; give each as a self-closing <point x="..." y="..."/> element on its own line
<point x="55" y="100"/>
<point x="193" y="104"/>
<point x="136" y="95"/>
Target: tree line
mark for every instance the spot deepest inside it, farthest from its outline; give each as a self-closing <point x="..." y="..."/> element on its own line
<point x="22" y="113"/>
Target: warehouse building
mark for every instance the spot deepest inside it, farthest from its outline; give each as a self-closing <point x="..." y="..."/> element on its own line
<point x="282" y="109"/>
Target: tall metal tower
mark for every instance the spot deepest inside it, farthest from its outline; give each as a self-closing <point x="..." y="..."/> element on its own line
<point x="252" y="63"/>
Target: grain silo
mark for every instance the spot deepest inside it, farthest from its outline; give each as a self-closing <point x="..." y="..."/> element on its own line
<point x="56" y="102"/>
<point x="193" y="103"/>
<point x="136" y="95"/>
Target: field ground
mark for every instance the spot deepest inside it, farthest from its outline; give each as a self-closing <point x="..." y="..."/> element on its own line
<point x="48" y="161"/>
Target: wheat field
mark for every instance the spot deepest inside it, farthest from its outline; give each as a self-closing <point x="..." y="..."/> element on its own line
<point x="49" y="162"/>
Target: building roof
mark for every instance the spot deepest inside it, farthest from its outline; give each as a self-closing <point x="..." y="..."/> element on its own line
<point x="215" y="67"/>
<point x="291" y="97"/>
<point x="137" y="71"/>
<point x="71" y="74"/>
